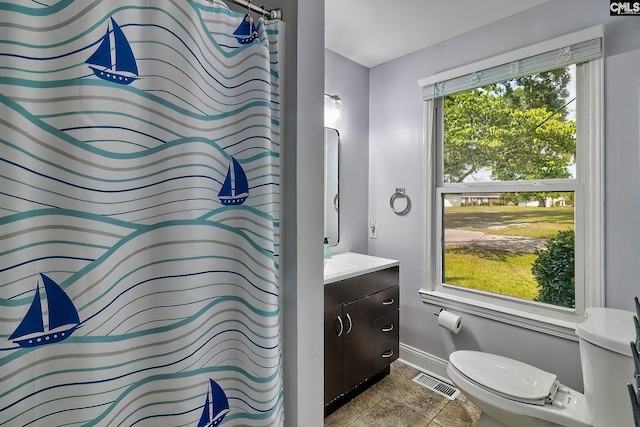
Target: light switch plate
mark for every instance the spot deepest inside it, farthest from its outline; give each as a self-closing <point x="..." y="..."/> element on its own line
<point x="373" y="229"/>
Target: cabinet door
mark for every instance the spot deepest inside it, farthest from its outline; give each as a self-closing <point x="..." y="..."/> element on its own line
<point x="358" y="342"/>
<point x="333" y="333"/>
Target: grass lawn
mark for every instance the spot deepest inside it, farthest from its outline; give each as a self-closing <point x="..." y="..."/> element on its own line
<point x="500" y="271"/>
<point x="510" y="220"/>
<point x="508" y="274"/>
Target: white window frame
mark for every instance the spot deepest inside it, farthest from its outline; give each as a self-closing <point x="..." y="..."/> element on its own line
<point x="589" y="196"/>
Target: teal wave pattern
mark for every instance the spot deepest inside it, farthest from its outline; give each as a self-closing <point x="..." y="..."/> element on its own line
<point x="110" y="185"/>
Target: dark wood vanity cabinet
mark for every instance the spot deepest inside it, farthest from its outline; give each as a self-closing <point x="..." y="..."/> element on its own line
<point x="360" y="331"/>
<point x="387" y="316"/>
<point x="349" y="342"/>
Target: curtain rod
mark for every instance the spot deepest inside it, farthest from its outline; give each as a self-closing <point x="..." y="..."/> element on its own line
<point x="271" y="14"/>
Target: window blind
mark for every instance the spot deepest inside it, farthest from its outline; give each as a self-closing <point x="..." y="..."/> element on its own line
<point x="571" y="54"/>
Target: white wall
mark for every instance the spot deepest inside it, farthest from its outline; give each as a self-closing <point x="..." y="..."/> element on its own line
<point x="350" y="81"/>
<point x="396" y="160"/>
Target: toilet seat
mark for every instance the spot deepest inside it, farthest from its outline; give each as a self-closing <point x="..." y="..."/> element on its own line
<point x="508" y="378"/>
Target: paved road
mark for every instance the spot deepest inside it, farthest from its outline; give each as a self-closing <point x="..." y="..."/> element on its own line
<point x="480" y="240"/>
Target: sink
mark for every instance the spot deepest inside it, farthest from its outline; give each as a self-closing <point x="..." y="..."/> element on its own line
<point x="335" y="267"/>
<point x="346" y="265"/>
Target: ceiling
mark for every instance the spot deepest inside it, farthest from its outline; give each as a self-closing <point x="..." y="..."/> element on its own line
<point x="370" y="33"/>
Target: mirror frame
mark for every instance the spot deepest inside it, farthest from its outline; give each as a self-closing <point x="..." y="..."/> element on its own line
<point x="332" y="185"/>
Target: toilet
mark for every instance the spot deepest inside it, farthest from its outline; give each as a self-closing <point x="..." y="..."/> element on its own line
<point x="514" y="394"/>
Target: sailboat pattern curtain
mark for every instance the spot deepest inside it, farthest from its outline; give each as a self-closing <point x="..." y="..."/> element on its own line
<point x="139" y="200"/>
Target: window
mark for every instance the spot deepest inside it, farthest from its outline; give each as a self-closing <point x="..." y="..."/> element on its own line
<point x="514" y="185"/>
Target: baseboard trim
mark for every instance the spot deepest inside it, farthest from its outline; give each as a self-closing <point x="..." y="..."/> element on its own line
<point x="425" y="362"/>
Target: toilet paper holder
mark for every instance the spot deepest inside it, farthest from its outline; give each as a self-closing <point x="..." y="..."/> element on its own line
<point x="449" y="321"/>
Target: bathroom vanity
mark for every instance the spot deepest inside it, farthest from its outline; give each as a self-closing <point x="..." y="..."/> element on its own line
<point x="361" y="303"/>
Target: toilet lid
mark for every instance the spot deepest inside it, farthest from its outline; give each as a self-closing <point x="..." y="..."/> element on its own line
<point x="507" y="377"/>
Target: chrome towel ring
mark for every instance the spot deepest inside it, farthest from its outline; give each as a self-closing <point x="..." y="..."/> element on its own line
<point x="400" y="193"/>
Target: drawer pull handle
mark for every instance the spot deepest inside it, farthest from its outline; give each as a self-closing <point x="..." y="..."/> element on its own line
<point x="388" y="328"/>
<point x="387" y="354"/>
<point x="350" y="323"/>
<point x="388" y="302"/>
<point x="341" y="326"/>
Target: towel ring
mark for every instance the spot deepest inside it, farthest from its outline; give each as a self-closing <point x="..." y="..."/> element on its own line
<point x="400" y="193"/>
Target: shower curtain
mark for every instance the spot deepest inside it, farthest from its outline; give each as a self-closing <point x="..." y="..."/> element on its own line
<point x="139" y="199"/>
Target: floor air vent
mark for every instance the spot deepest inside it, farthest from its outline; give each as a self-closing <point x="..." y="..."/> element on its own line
<point x="437" y="386"/>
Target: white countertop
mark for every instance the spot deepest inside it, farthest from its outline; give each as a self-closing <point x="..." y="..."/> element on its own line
<point x="350" y="264"/>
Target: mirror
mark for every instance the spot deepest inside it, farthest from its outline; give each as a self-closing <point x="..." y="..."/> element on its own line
<point x="331" y="185"/>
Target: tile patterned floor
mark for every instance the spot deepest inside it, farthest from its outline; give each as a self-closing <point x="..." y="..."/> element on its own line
<point x="397" y="401"/>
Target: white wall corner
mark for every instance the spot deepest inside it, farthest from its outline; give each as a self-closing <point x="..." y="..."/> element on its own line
<point x="425" y="362"/>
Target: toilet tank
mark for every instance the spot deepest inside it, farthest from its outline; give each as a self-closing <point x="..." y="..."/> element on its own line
<point x="607" y="365"/>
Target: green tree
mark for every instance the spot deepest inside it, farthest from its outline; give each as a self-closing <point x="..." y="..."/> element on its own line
<point x="516" y="132"/>
<point x="473" y="118"/>
<point x="547" y="89"/>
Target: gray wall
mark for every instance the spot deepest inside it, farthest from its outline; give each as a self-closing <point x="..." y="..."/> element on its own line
<point x="302" y="217"/>
<point x="396" y="160"/>
<point x="302" y="210"/>
<point x="622" y="91"/>
<point x="350" y="81"/>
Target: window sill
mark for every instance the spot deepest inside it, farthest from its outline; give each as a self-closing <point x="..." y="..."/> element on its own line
<point x="540" y="323"/>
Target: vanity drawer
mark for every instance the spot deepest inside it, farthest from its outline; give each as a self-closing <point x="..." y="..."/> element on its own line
<point x="386" y="353"/>
<point x="360" y="286"/>
<point x="387" y="327"/>
<point x="387" y="301"/>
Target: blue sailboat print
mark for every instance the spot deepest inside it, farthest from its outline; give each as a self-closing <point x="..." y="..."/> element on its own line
<point x="216" y="406"/>
<point x="124" y="69"/>
<point x="246" y="31"/>
<point x="235" y="188"/>
<point x="63" y="318"/>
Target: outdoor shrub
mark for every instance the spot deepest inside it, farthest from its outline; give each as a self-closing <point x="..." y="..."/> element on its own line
<point x="554" y="270"/>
